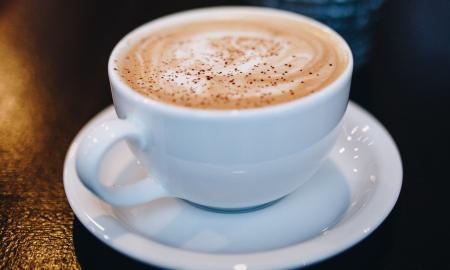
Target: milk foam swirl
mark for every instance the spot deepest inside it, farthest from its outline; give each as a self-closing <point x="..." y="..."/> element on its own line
<point x="233" y="64"/>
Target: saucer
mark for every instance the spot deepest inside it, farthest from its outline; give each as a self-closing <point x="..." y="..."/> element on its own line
<point x="343" y="203"/>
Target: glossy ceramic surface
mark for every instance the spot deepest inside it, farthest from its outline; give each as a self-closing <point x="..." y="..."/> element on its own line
<point x="344" y="202"/>
<point x="229" y="159"/>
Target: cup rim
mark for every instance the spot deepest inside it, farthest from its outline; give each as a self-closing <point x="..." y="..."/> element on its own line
<point x="168" y="108"/>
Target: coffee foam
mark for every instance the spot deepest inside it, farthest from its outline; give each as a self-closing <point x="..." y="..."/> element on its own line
<point x="233" y="63"/>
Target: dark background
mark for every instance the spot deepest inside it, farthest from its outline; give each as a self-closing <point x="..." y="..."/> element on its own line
<point x="53" y="79"/>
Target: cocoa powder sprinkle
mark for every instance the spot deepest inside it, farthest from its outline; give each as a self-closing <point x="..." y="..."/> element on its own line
<point x="226" y="74"/>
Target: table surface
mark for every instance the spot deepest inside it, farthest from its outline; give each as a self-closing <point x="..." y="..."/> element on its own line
<point x="53" y="79"/>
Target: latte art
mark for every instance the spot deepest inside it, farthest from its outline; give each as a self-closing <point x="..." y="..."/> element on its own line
<point x="233" y="63"/>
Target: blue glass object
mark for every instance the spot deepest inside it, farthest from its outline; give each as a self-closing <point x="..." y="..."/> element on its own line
<point x="353" y="19"/>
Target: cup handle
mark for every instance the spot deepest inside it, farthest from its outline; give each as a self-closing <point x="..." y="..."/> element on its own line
<point x="91" y="152"/>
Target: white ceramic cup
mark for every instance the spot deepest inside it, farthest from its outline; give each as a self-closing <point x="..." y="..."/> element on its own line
<point x="229" y="159"/>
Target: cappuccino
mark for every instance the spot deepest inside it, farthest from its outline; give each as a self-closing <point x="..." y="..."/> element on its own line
<point x="228" y="62"/>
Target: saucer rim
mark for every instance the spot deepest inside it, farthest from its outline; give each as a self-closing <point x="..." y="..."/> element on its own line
<point x="316" y="249"/>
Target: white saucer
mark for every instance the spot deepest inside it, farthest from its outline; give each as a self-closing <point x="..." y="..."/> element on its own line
<point x="344" y="202"/>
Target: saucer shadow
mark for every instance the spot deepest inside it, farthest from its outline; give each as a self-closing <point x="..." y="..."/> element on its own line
<point x="94" y="254"/>
<point x="370" y="254"/>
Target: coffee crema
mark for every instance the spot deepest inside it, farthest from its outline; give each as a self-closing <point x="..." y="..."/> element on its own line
<point x="233" y="63"/>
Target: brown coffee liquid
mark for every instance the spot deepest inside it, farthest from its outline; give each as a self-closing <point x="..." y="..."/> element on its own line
<point x="233" y="63"/>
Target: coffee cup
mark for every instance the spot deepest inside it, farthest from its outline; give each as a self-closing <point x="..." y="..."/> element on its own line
<point x="227" y="159"/>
